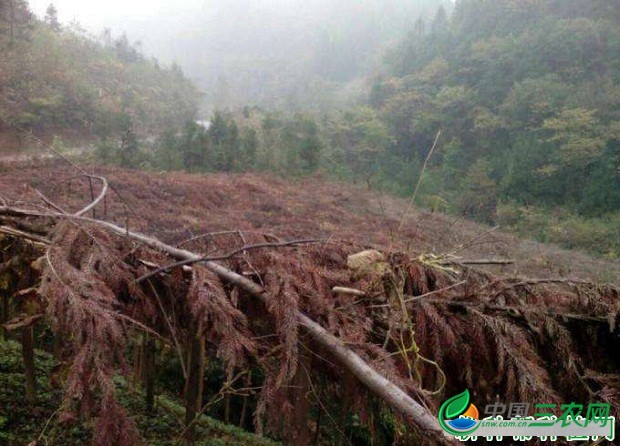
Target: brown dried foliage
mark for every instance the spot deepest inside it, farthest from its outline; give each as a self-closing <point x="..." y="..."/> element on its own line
<point x="526" y="341"/>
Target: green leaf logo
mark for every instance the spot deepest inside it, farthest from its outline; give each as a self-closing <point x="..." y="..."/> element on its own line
<point x="456" y="405"/>
<point x="451" y="409"/>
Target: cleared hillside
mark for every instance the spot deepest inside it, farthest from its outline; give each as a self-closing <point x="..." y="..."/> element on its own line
<point x="298" y="318"/>
<point x="177" y="206"/>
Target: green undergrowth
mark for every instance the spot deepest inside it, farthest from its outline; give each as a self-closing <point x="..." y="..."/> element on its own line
<point x="21" y="424"/>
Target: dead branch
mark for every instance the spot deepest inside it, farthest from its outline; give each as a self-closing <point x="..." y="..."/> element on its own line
<point x="478" y="262"/>
<point x="417" y="186"/>
<point x="351" y="291"/>
<point x="517" y="312"/>
<point x="89" y="207"/>
<point x="236" y="231"/>
<point x="25" y="235"/>
<point x="472" y="241"/>
<point x="540" y="281"/>
<point x="23" y="322"/>
<point x="49" y="202"/>
<point x="231" y="254"/>
<point x="96" y="201"/>
<point x="431" y="293"/>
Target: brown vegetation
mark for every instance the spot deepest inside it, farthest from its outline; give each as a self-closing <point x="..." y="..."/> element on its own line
<point x="429" y="328"/>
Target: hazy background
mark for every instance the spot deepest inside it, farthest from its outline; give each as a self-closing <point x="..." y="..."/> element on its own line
<point x="288" y="54"/>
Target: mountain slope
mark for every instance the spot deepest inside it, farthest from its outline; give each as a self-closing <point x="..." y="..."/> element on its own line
<point x="57" y="80"/>
<point x="178" y="206"/>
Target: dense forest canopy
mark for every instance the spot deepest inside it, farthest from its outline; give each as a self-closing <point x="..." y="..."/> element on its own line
<point x="526" y="100"/>
<point x="527" y="97"/>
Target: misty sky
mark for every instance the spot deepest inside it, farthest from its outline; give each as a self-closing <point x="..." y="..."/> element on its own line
<point x="156" y="22"/>
<point x="253" y="51"/>
<point x="94" y="15"/>
<point x="115" y="14"/>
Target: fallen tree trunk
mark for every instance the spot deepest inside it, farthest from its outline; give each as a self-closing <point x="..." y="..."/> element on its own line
<point x="375" y="382"/>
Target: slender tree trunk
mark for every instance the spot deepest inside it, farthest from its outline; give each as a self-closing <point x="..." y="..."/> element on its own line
<point x="227" y="409"/>
<point x="137" y="362"/>
<point x="193" y="387"/>
<point x="317" y="432"/>
<point x="4" y="313"/>
<point x="244" y="408"/>
<point x="300" y="432"/>
<point x="149" y="373"/>
<point x="12" y="21"/>
<point x="29" y="369"/>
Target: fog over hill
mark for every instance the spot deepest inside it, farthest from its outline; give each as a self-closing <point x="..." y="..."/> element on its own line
<point x="284" y="53"/>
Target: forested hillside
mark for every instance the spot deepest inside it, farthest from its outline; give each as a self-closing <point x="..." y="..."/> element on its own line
<point x="527" y="99"/>
<point x="55" y="79"/>
<point x="522" y="98"/>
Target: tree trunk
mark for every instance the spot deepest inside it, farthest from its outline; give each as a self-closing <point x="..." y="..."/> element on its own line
<point x="138" y="353"/>
<point x="227" y="409"/>
<point x="4" y="314"/>
<point x="148" y="368"/>
<point x="193" y="387"/>
<point x="244" y="408"/>
<point x="29" y="369"/>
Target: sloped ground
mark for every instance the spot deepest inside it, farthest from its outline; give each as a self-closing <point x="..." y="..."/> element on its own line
<point x="178" y="206"/>
<point x="424" y="326"/>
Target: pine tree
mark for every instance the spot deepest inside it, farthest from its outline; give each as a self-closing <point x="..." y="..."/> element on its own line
<point x="51" y="17"/>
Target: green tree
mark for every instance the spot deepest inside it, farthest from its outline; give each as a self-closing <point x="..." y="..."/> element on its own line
<point x="16" y="20"/>
<point x="579" y="136"/>
<point x="223" y="142"/>
<point x="249" y="148"/>
<point x="309" y="144"/>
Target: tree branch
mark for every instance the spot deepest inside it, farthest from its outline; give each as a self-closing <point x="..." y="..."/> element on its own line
<point x="25" y="235"/>
<point x="223" y="257"/>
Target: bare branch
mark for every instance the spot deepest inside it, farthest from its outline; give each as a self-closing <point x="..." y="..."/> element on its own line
<point x="25" y="235"/>
<point x="351" y="291"/>
<point x="97" y="200"/>
<point x="163" y="269"/>
<point x="49" y="202"/>
<point x="417" y="186"/>
<point x="478" y="262"/>
<point x="432" y="293"/>
<point x="471" y="242"/>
